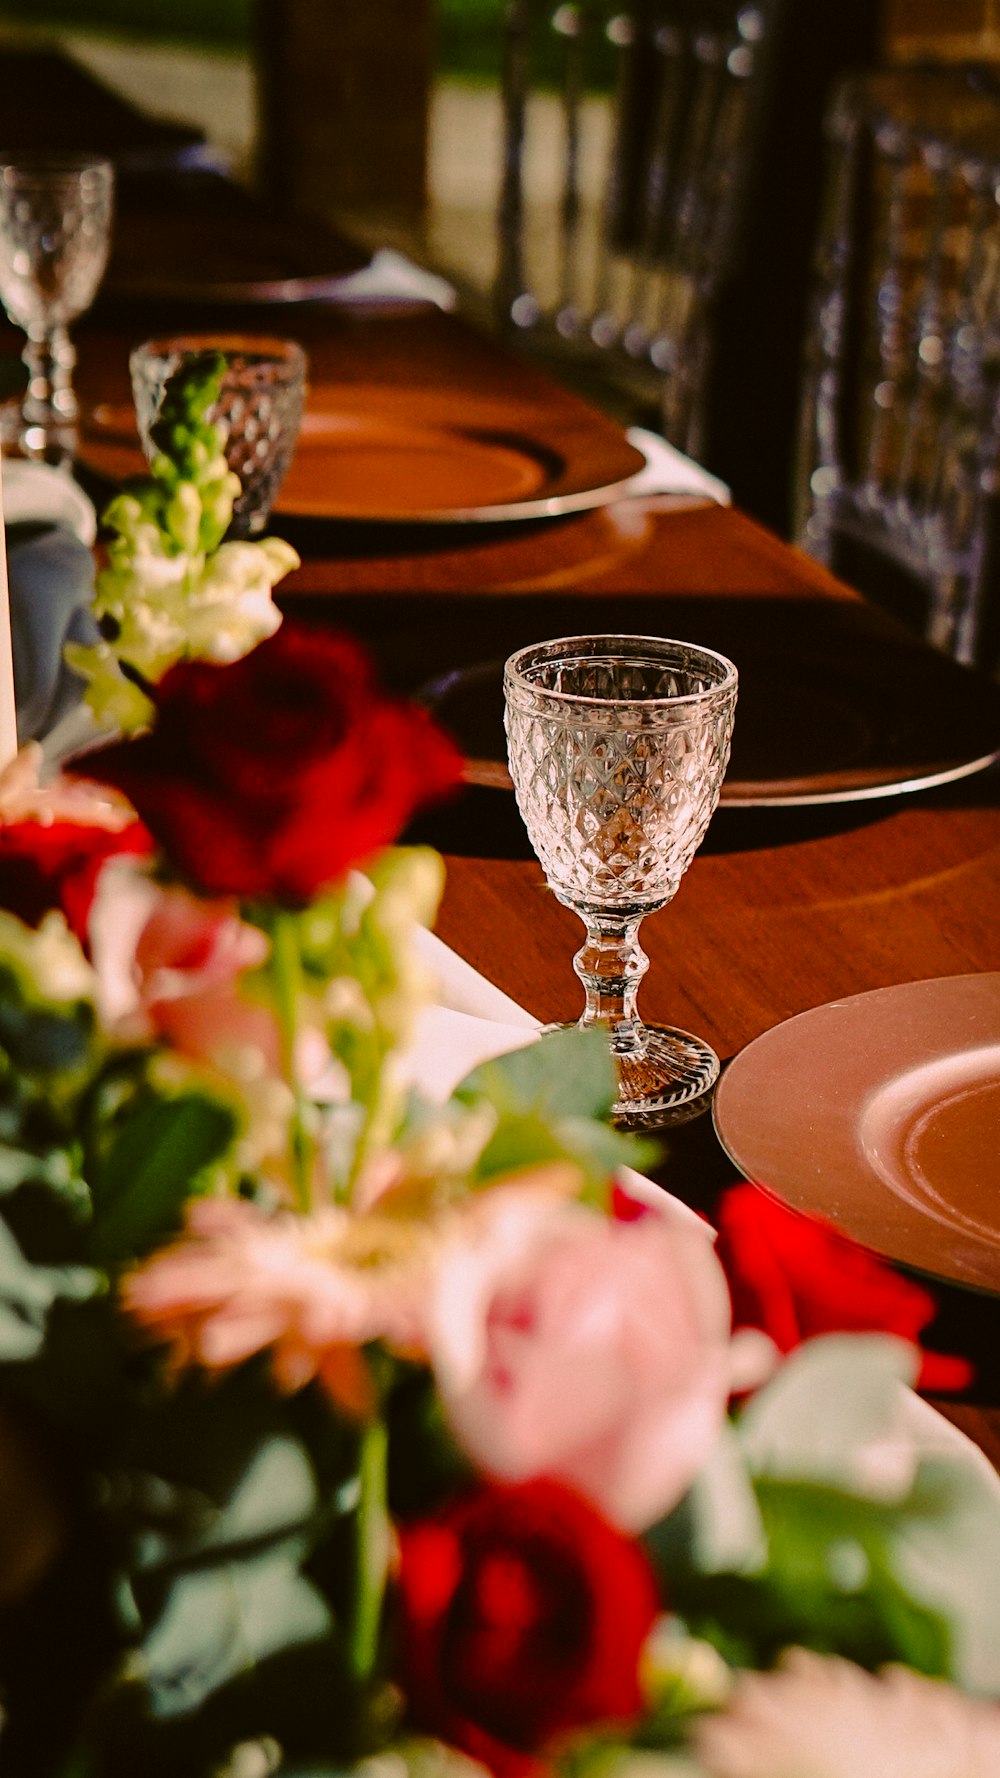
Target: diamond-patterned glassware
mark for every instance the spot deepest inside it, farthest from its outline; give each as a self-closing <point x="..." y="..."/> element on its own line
<point x="260" y="406"/>
<point x="618" y="746"/>
<point x="55" y="231"/>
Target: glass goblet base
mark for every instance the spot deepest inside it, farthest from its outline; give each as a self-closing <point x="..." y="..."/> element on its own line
<point x="665" y="1075"/>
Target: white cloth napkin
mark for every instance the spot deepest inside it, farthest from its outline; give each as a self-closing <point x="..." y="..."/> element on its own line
<point x="37" y="493"/>
<point x="390" y="276"/>
<point x="471" y="1022"/>
<point x="668" y="471"/>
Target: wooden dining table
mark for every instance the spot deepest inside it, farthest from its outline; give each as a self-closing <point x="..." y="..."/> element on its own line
<point x="790" y="903"/>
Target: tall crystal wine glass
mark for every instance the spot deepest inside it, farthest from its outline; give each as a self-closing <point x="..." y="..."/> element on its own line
<point x="55" y="231"/>
<point x="618" y="746"/>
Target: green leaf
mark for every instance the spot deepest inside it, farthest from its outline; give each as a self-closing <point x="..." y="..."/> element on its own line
<point x="825" y="1413"/>
<point x="153" y="1166"/>
<point x="722" y="1518"/>
<point x="832" y="1562"/>
<point x="946" y="1549"/>
<point x="565" y="1074"/>
<point x="873" y="1549"/>
<point x="19" y="1167"/>
<point x="830" y="1584"/>
<point x="27" y="1295"/>
<point x="553" y="1100"/>
<point x="221" y="1621"/>
<point x="275" y="1494"/>
<point x="41" y="1041"/>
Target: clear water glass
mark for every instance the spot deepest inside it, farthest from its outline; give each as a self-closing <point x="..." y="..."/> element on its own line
<point x="55" y="233"/>
<point x="618" y="746"/>
<point x="260" y="404"/>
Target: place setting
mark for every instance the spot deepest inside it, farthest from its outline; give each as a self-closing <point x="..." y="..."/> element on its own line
<point x="874" y="1117"/>
<point x="394" y="448"/>
<point x="399" y="454"/>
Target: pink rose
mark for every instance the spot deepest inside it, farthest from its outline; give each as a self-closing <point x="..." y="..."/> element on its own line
<point x="169" y="966"/>
<point x="590" y="1351"/>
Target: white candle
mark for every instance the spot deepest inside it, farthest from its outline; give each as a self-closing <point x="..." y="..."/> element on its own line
<point x="8" y="709"/>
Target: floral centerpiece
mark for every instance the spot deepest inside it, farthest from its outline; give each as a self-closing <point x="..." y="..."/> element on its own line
<point x="341" y="1429"/>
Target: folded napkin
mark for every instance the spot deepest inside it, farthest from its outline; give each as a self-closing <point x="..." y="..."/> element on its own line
<point x="668" y="471"/>
<point x="472" y="1022"/>
<point x="390" y="276"/>
<point x="50" y="526"/>
<point x="51" y="576"/>
<point x="37" y="493"/>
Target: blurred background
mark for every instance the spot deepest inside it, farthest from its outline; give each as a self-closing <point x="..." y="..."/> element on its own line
<point x="390" y="119"/>
<point x="429" y="170"/>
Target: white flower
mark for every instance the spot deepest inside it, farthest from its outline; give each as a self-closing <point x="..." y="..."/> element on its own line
<point x="822" y="1717"/>
<point x="230" y="608"/>
<point x="50" y="958"/>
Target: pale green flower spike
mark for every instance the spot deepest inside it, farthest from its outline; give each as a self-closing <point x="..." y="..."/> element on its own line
<point x="171" y="589"/>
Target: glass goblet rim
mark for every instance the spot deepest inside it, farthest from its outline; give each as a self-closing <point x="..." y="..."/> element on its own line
<point x="46" y="163"/>
<point x="248" y="350"/>
<point x="598" y="647"/>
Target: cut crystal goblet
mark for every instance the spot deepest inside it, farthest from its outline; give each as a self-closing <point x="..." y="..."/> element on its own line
<point x="55" y="230"/>
<point x="618" y="746"/>
<point x="260" y="404"/>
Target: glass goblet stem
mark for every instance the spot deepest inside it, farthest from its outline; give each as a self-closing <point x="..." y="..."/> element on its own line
<point x="611" y="964"/>
<point x="50" y="406"/>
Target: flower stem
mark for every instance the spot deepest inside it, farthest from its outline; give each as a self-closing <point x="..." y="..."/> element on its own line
<point x="371" y="1549"/>
<point x="286" y="973"/>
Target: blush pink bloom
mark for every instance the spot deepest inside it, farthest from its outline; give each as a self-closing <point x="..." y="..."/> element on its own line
<point x="819" y="1716"/>
<point x="312" y="1290"/>
<point x="591" y="1351"/>
<point x="169" y="967"/>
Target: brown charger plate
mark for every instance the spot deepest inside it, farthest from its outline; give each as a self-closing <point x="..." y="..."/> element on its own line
<point x="881" y="1114"/>
<point x="836" y="704"/>
<point x="409" y="455"/>
<point x="201" y="241"/>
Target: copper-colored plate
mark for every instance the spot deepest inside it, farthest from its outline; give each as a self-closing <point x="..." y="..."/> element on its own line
<point x="881" y="1114"/>
<point x="394" y="455"/>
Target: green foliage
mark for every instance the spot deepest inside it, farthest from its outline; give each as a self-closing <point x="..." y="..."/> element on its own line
<point x="830" y="1583"/>
<point x="190" y="491"/>
<point x="220" y="1510"/>
<point x="159" y="1159"/>
<point x="552" y="1100"/>
<point x="28" y="1293"/>
<point x="799" y="1532"/>
<point x="356" y="952"/>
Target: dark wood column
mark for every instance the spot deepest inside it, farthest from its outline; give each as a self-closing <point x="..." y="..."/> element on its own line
<point x="343" y="93"/>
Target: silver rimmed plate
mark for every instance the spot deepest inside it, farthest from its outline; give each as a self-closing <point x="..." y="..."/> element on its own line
<point x="881" y="1114"/>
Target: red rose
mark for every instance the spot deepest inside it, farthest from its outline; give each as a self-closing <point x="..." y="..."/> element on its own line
<point x="794" y="1276"/>
<point x="56" y="865"/>
<point x="523" y="1616"/>
<point x="270" y="778"/>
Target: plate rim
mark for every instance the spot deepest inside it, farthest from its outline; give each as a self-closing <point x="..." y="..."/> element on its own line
<point x="800" y="1199"/>
<point x="541" y="442"/>
<point x="816" y="791"/>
